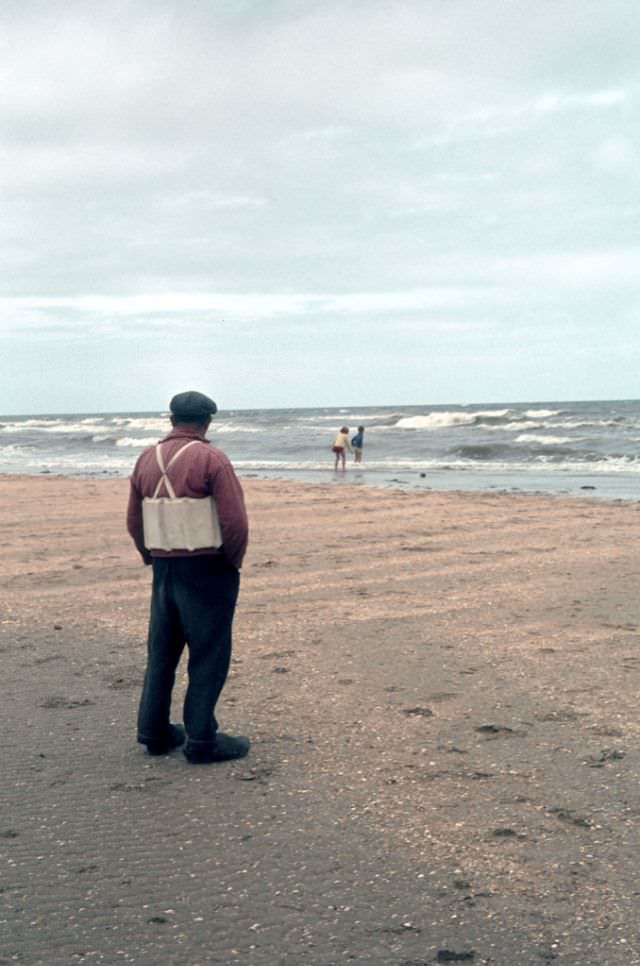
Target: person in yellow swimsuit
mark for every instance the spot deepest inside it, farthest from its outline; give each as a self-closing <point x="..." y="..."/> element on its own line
<point x="340" y="448"/>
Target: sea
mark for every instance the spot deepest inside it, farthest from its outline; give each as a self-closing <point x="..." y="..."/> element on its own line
<point x="587" y="449"/>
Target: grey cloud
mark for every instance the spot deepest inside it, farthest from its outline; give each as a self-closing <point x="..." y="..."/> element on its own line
<point x="347" y="151"/>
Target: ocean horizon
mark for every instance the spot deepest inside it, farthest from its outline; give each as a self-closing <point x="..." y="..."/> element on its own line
<point x="587" y="448"/>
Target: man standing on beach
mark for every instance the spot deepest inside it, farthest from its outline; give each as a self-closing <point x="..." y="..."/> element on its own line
<point x="187" y="518"/>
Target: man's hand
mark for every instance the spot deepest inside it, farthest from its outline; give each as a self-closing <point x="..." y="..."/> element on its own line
<point x="146" y="557"/>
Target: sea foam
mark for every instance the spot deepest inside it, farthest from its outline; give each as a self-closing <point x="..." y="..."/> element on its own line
<point x="540" y="440"/>
<point x="437" y="420"/>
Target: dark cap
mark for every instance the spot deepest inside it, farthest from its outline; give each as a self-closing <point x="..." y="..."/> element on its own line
<point x="192" y="406"/>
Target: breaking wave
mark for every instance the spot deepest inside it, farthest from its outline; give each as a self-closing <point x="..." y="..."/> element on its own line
<point x="136" y="441"/>
<point x="542" y="413"/>
<point x="546" y="440"/>
<point x="451" y="419"/>
<point x="436" y="421"/>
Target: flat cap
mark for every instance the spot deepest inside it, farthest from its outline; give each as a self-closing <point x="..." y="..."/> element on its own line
<point x="192" y="405"/>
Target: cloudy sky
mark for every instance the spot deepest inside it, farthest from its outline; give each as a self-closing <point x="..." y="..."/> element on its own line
<point x="298" y="202"/>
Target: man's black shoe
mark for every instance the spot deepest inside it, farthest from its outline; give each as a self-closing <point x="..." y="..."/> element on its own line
<point x="224" y="748"/>
<point x="175" y="739"/>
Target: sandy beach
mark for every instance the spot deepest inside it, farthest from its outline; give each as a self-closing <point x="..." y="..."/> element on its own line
<point x="441" y="691"/>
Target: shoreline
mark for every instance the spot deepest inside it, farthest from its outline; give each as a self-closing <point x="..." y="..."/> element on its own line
<point x="612" y="489"/>
<point x="441" y="690"/>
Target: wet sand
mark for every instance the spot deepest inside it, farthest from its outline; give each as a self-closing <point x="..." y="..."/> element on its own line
<point x="441" y="690"/>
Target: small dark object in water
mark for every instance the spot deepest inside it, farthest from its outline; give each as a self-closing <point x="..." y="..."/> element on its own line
<point x="587" y="487"/>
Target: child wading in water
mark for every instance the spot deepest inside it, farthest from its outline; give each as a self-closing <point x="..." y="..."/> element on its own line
<point x="340" y="446"/>
<point x="358" y="442"/>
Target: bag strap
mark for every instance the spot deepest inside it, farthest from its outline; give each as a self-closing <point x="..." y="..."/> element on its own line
<point x="164" y="479"/>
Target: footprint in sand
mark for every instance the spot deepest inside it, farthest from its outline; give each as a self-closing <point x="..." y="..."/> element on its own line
<point x="567" y="815"/>
<point x="130" y="681"/>
<point x="607" y="754"/>
<point x="56" y="701"/>
<point x="491" y="730"/>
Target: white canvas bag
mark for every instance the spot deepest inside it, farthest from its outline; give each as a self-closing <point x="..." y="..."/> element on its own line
<point x="178" y="522"/>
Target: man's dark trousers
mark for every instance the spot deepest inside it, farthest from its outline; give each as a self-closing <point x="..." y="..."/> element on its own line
<point x="192" y="602"/>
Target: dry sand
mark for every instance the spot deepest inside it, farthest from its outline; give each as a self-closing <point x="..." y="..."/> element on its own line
<point x="441" y="693"/>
